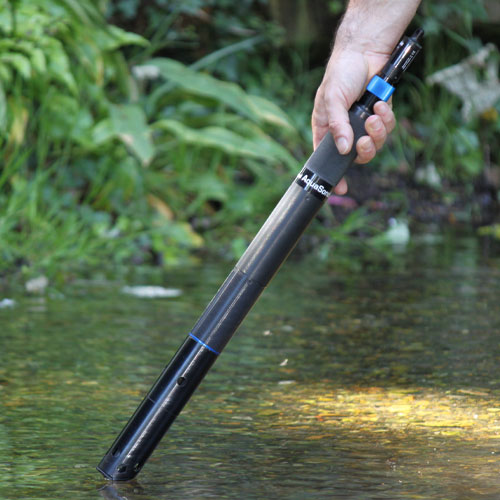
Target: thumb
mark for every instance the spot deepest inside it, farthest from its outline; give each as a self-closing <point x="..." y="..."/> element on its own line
<point x="339" y="125"/>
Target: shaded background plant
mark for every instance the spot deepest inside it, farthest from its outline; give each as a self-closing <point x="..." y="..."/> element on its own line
<point x="138" y="132"/>
<point x="89" y="156"/>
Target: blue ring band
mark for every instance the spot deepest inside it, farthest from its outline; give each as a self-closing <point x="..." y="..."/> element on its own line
<point x="203" y="343"/>
<point x="380" y="88"/>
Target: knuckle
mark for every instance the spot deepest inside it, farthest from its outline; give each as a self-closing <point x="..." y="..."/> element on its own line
<point x="334" y="125"/>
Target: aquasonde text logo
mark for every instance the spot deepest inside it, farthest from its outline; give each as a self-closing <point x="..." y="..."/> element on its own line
<point x="313" y="183"/>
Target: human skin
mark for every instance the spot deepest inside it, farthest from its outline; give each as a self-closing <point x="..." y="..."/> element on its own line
<point x="365" y="39"/>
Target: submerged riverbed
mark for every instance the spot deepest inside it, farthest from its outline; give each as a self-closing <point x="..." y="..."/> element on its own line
<point x="380" y="384"/>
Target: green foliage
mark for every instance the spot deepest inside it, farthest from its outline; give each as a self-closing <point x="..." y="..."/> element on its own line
<point x="56" y="50"/>
<point x="493" y="230"/>
<point x="453" y="19"/>
<point x="438" y="135"/>
<point x="102" y="164"/>
<point x="57" y="60"/>
<point x="146" y="142"/>
<point x="214" y="145"/>
<point x="336" y="6"/>
<point x="432" y="129"/>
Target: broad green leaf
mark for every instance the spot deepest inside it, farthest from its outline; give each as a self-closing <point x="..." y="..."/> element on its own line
<point x="229" y="142"/>
<point x="180" y="233"/>
<point x="473" y="162"/>
<point x="250" y="130"/>
<point x="465" y="140"/>
<point x="218" y="119"/>
<point x="245" y="128"/>
<point x="83" y="11"/>
<point x="10" y="45"/>
<point x="5" y="74"/>
<point x="212" y="137"/>
<point x="82" y="126"/>
<point x="272" y="149"/>
<point x="269" y="112"/>
<point x="123" y="37"/>
<point x="38" y="60"/>
<point x="206" y="85"/>
<point x="113" y="38"/>
<point x="210" y="187"/>
<point x="103" y="132"/>
<point x="59" y="66"/>
<point x="129" y="125"/>
<point x="19" y="62"/>
<point x="254" y="107"/>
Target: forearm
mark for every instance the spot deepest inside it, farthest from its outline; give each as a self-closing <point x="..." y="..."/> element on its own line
<point x="374" y="25"/>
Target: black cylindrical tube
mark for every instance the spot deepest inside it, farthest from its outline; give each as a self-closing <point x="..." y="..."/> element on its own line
<point x="157" y="411"/>
<point x="239" y="292"/>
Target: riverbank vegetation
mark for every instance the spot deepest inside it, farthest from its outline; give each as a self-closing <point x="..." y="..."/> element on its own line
<point x="136" y="132"/>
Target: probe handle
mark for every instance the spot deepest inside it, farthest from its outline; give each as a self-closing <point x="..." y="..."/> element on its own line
<point x="252" y="273"/>
<point x="326" y="161"/>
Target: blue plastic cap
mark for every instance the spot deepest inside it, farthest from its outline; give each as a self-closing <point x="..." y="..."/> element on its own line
<point x="380" y="88"/>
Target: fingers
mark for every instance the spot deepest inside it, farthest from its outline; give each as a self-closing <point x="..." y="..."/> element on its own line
<point x="330" y="114"/>
<point x="341" y="187"/>
<point x="321" y="126"/>
<point x="366" y="149"/>
<point x="378" y="127"/>
<point x="319" y="119"/>
<point x="384" y="110"/>
<point x="341" y="129"/>
<point x="339" y="125"/>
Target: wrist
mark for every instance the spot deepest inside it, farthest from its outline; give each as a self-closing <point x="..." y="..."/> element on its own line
<point x="352" y="36"/>
<point x="374" y="25"/>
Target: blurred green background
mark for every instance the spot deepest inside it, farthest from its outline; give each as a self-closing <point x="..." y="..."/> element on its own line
<point x="157" y="132"/>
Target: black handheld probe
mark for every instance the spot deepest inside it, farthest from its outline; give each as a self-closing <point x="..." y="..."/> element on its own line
<point x="247" y="280"/>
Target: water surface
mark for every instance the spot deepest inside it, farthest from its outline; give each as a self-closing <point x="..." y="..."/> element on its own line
<point x="376" y="384"/>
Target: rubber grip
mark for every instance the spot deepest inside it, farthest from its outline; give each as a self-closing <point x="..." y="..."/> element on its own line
<point x="326" y="161"/>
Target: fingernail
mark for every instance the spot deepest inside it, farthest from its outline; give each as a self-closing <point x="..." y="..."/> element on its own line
<point x="342" y="145"/>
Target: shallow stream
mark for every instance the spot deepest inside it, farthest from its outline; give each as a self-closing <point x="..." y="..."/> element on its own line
<point x="376" y="384"/>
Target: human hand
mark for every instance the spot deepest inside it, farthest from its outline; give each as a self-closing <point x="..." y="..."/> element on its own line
<point x="346" y="76"/>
